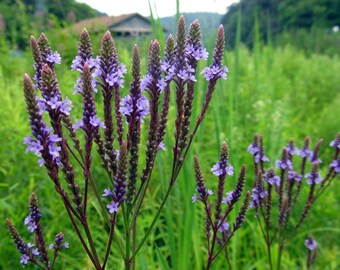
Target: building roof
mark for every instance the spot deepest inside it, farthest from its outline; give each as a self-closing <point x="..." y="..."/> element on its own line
<point x="107" y="22"/>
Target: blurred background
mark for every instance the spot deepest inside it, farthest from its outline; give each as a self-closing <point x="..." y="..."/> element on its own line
<point x="283" y="83"/>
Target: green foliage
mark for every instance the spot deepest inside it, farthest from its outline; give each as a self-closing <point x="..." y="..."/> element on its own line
<point x="276" y="17"/>
<point x="21" y="16"/>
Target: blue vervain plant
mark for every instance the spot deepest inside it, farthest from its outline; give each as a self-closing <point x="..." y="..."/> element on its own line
<point x="117" y="136"/>
<point x="286" y="182"/>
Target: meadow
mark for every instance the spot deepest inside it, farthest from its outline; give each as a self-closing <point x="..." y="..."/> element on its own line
<point x="280" y="93"/>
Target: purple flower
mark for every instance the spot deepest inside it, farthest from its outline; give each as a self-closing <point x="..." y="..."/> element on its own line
<point x="194" y="198"/>
<point x="335" y="165"/>
<point x="291" y="149"/>
<point x="293" y="175"/>
<point x="224" y="227"/>
<point x="66" y="106"/>
<point x="59" y="238"/>
<point x="314" y="157"/>
<point x="304" y="152"/>
<point x="35" y="252"/>
<point x="271" y="178"/>
<point x="219" y="169"/>
<point x="113" y="207"/>
<point x="54" y="150"/>
<point x="42" y="105"/>
<point x="107" y="193"/>
<point x="53" y="102"/>
<point x="198" y="53"/>
<point x="210" y="192"/>
<point x="24" y="259"/>
<point x="115" y="79"/>
<point x="79" y="124"/>
<point x="335" y="143"/>
<point x="187" y="74"/>
<point x="54" y="58"/>
<point x="261" y="157"/>
<point x="214" y="72"/>
<point x="145" y="82"/>
<point x="161" y="146"/>
<point x="161" y="84"/>
<point x="313" y="178"/>
<point x="284" y="164"/>
<point x="96" y="122"/>
<point x="311" y="243"/>
<point x="76" y="63"/>
<point x="229" y="197"/>
<point x="33" y="146"/>
<point x="258" y="194"/>
<point x="253" y="149"/>
<point x="126" y="106"/>
<point x="31" y="225"/>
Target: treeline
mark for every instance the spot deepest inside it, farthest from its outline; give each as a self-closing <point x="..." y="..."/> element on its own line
<point x="276" y="17"/>
<point x="17" y="17"/>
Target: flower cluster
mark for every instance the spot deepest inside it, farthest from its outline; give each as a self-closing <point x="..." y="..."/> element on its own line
<point x="38" y="254"/>
<point x="59" y="243"/>
<point x="217" y="222"/>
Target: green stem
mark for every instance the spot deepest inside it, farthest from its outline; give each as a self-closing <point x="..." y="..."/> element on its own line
<point x="279" y="256"/>
<point x="91" y="242"/>
<point x="152" y="223"/>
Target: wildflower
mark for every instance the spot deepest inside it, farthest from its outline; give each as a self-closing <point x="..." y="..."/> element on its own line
<point x="228" y="197"/>
<point x="24" y="259"/>
<point x="335" y="165"/>
<point x="257" y="195"/>
<point x="223" y="227"/>
<point x="293" y="175"/>
<point x="54" y="58"/>
<point x="305" y="152"/>
<point x="142" y="106"/>
<point x="310" y="243"/>
<point x="271" y="178"/>
<point x="336" y="143"/>
<point x="113" y="207"/>
<point x="292" y="149"/>
<point x="253" y="148"/>
<point x="284" y="164"/>
<point x="220" y="168"/>
<point x="313" y="178"/>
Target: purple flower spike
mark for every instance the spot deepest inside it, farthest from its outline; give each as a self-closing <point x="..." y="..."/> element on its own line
<point x="258" y="194"/>
<point x="310" y="243"/>
<point x="218" y="169"/>
<point x="304" y="152"/>
<point x="113" y="207"/>
<point x="126" y="106"/>
<point x="284" y="164"/>
<point x="293" y="175"/>
<point x="271" y="178"/>
<point x="313" y="178"/>
<point x="253" y="149"/>
<point x="194" y="198"/>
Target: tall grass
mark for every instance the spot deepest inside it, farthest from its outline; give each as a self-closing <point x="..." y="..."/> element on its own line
<point x="279" y="93"/>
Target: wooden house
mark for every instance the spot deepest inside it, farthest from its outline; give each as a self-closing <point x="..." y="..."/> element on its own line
<point x="132" y="25"/>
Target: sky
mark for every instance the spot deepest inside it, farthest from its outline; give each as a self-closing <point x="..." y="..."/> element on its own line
<point x="162" y="8"/>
